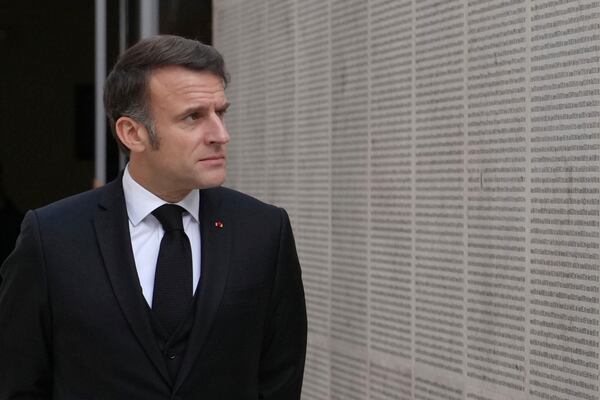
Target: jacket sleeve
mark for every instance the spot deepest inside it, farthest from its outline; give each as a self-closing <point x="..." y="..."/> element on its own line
<point x="24" y="319"/>
<point x="284" y="345"/>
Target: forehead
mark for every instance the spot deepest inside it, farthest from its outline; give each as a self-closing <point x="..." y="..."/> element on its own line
<point x="178" y="84"/>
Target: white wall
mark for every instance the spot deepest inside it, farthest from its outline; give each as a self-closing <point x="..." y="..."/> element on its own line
<point x="439" y="160"/>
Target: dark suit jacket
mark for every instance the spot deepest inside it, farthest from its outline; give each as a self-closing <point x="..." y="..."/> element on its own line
<point x="74" y="324"/>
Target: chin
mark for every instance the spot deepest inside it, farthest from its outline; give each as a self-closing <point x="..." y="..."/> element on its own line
<point x="210" y="183"/>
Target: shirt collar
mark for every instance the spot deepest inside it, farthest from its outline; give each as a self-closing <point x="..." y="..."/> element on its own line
<point x="140" y="202"/>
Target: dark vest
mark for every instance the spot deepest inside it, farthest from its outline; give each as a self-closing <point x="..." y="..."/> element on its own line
<point x="173" y="347"/>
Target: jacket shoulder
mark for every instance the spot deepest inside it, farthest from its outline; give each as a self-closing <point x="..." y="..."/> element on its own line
<point x="231" y="198"/>
<point x="75" y="208"/>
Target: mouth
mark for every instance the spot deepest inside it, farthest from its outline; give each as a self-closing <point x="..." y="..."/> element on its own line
<point x="213" y="161"/>
<point x="213" y="157"/>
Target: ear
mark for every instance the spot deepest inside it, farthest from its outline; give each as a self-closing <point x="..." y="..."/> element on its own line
<point x="132" y="134"/>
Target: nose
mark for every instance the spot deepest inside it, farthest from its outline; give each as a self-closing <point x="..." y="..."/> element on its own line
<point x="218" y="132"/>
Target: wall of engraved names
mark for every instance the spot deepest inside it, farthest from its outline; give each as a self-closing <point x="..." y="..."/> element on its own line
<point x="440" y="163"/>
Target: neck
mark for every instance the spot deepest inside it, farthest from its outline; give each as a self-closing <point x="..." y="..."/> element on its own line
<point x="161" y="191"/>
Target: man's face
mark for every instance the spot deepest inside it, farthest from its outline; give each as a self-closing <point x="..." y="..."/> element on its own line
<point x="187" y="107"/>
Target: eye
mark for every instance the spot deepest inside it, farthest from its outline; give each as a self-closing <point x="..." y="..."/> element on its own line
<point x="221" y="113"/>
<point x="193" y="116"/>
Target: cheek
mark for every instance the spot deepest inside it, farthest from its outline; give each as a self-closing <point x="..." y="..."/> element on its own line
<point x="182" y="152"/>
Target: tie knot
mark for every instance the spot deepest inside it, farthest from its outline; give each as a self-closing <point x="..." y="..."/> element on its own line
<point x="169" y="216"/>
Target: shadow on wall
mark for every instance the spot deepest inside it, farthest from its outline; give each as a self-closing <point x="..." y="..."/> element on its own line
<point x="10" y="221"/>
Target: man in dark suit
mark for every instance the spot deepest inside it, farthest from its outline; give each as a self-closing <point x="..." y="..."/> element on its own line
<point x="161" y="284"/>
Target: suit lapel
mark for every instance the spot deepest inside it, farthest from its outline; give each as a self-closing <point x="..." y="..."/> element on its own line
<point x="216" y="239"/>
<point x="114" y="241"/>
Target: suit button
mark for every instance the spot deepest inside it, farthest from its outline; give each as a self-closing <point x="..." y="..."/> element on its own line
<point x="172" y="356"/>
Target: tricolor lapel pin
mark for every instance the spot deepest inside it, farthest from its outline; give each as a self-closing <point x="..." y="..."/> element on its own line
<point x="219" y="224"/>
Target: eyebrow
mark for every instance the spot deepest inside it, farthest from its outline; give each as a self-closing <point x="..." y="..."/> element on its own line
<point x="202" y="109"/>
<point x="224" y="107"/>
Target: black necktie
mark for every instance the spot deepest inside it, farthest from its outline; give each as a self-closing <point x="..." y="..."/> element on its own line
<point x="173" y="279"/>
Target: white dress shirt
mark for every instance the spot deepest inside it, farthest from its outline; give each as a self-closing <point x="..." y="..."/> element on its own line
<point x="146" y="231"/>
